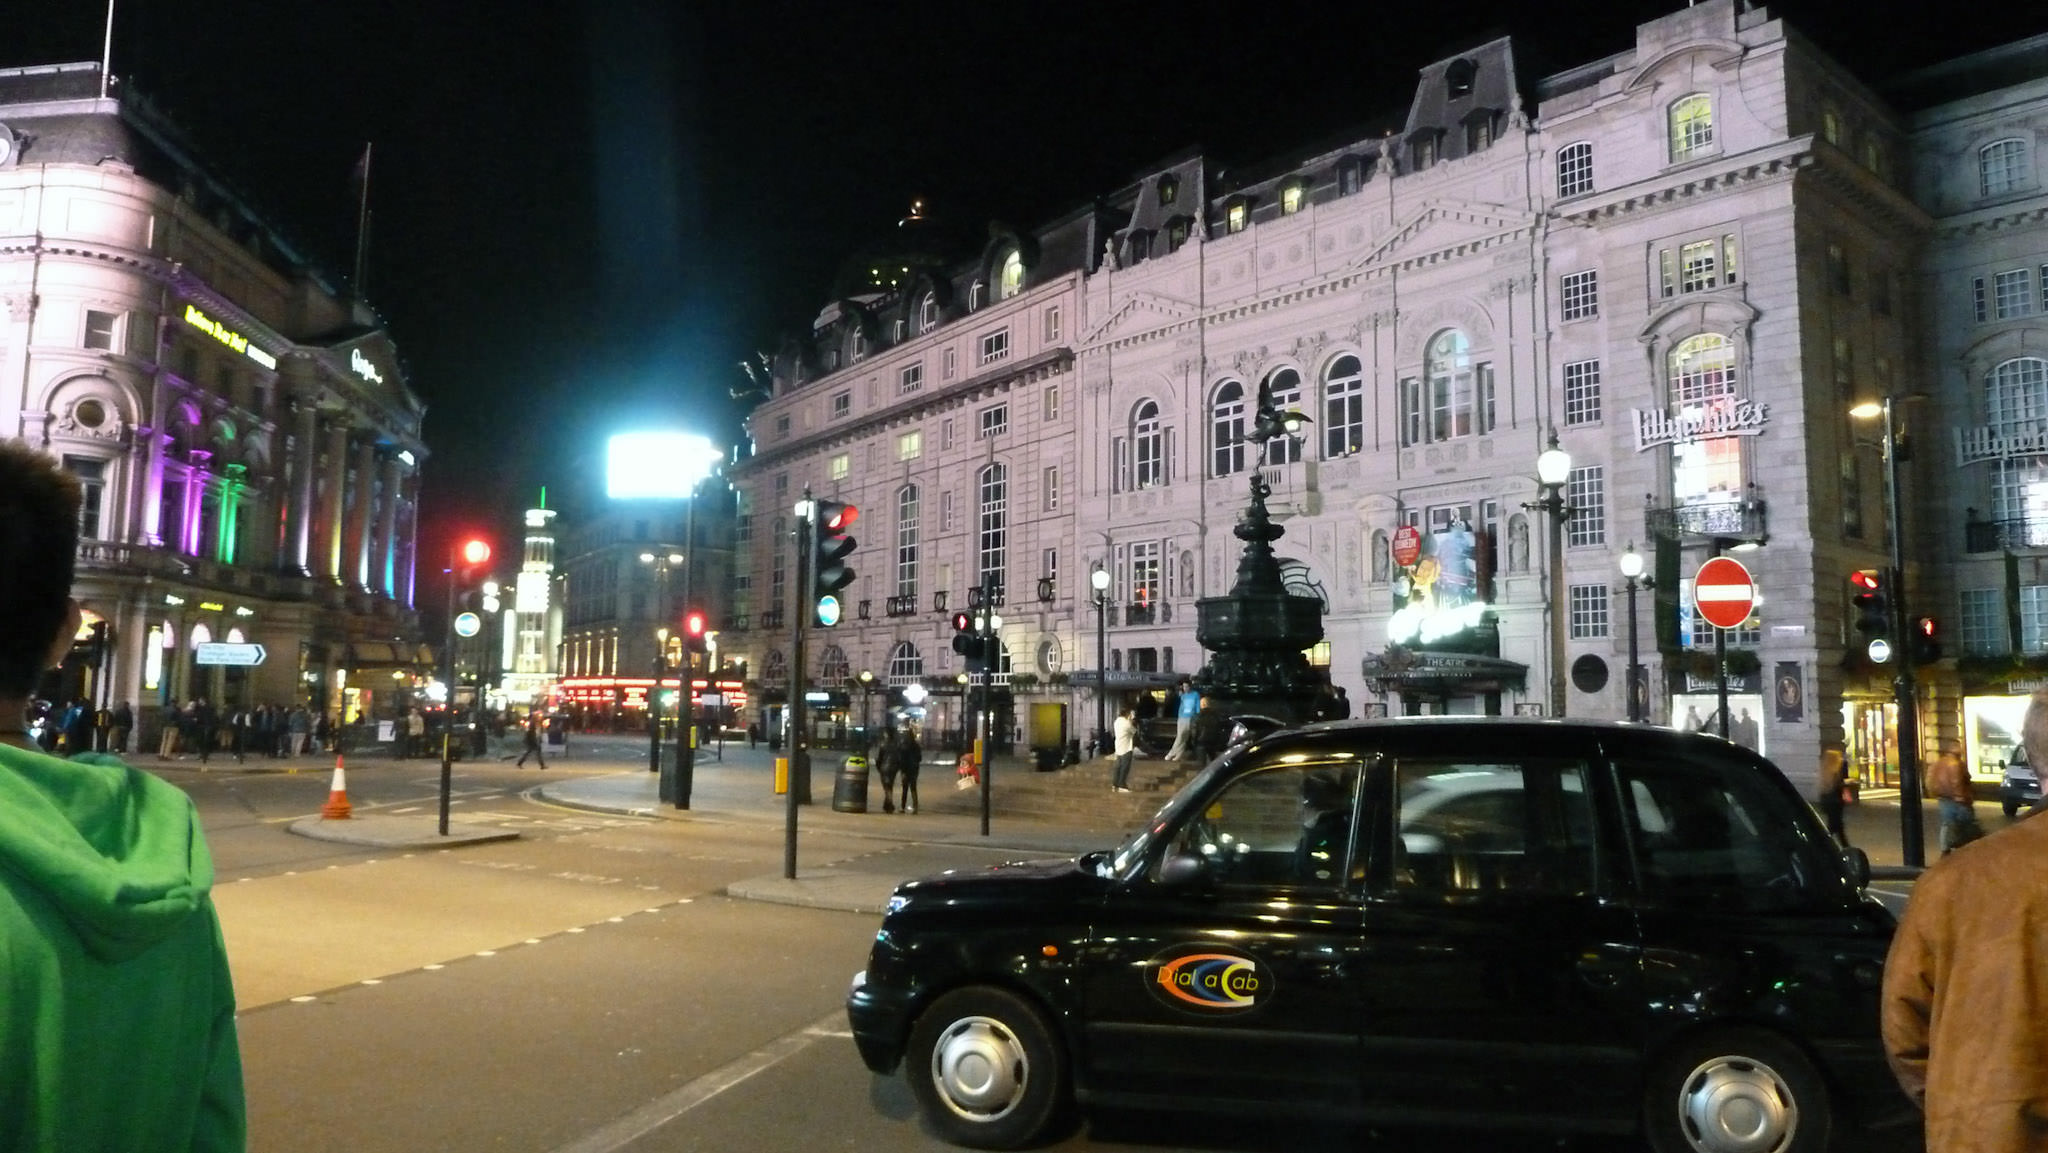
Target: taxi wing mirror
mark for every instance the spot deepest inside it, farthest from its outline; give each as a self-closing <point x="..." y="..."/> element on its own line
<point x="1857" y="862"/>
<point x="1180" y="869"/>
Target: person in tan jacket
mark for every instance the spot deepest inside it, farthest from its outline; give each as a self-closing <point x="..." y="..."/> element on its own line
<point x="1963" y="1002"/>
<point x="1949" y="782"/>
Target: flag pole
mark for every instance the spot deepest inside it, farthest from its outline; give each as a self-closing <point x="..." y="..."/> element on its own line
<point x="362" y="223"/>
<point x="107" y="50"/>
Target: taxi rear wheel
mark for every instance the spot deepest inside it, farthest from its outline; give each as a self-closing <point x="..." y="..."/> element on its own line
<point x="987" y="1070"/>
<point x="1736" y="1091"/>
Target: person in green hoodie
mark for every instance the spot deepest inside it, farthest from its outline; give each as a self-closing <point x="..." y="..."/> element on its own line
<point x="117" y="1016"/>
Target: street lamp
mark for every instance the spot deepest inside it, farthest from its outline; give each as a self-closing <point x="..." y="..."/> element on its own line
<point x="867" y="693"/>
<point x="661" y="563"/>
<point x="1553" y="470"/>
<point x="1637" y="688"/>
<point x="1904" y="695"/>
<point x="1099" y="581"/>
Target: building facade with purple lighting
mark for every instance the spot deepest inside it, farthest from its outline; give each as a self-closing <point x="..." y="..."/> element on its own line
<point x="240" y="423"/>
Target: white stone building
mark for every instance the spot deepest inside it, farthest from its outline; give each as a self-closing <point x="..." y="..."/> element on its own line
<point x="249" y="449"/>
<point x="1686" y="262"/>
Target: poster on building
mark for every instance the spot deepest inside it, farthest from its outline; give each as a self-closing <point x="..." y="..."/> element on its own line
<point x="1789" y="689"/>
<point x="1443" y="594"/>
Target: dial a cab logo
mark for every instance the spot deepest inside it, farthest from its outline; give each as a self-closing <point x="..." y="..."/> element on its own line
<point x="1207" y="980"/>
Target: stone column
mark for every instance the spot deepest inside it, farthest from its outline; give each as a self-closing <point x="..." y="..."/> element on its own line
<point x="299" y="527"/>
<point x="336" y="504"/>
<point x="366" y="506"/>
<point x="384" y="574"/>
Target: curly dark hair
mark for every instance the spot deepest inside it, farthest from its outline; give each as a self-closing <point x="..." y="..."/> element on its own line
<point x="38" y="553"/>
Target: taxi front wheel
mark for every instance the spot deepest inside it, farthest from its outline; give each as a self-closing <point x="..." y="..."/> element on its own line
<point x="987" y="1070"/>
<point x="1736" y="1091"/>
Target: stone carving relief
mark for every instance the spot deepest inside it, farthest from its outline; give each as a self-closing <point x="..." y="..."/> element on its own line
<point x="1351" y="564"/>
<point x="1382" y="557"/>
<point x="1427" y="322"/>
<point x="1518" y="543"/>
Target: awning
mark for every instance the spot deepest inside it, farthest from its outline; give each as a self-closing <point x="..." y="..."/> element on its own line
<point x="1404" y="670"/>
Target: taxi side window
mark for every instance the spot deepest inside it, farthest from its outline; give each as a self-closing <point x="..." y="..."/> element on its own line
<point x="1714" y="835"/>
<point x="1482" y="825"/>
<point x="1289" y="825"/>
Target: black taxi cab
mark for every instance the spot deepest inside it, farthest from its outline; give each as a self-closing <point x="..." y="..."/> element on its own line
<point x="1556" y="926"/>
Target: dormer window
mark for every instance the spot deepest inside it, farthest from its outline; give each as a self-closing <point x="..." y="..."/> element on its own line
<point x="977" y="295"/>
<point x="1011" y="281"/>
<point x="899" y="331"/>
<point x="1291" y="199"/>
<point x="1424" y="150"/>
<point x="1350" y="175"/>
<point x="1176" y="233"/>
<point x="1458" y="78"/>
<point x="1169" y="189"/>
<point x="1139" y="244"/>
<point x="1479" y="131"/>
<point x="1236" y="216"/>
<point x="860" y="346"/>
<point x="928" y="312"/>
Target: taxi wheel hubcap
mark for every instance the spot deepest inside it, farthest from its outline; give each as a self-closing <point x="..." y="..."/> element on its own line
<point x="979" y="1067"/>
<point x="1737" y="1105"/>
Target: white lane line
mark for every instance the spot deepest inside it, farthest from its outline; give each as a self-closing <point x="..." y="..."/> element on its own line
<point x="662" y="1110"/>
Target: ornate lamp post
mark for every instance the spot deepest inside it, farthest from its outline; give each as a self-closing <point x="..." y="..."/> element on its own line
<point x="1553" y="470"/>
<point x="1637" y="688"/>
<point x="1099" y="581"/>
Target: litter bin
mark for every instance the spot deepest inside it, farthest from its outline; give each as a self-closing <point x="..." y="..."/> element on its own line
<point x="1047" y="759"/>
<point x="850" y="788"/>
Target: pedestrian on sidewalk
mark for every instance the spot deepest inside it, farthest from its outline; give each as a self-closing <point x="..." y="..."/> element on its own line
<point x="1949" y="781"/>
<point x="1126" y="747"/>
<point x="1184" y="729"/>
<point x="885" y="765"/>
<point x="1963" y="999"/>
<point x="119" y="724"/>
<point x="118" y="1029"/>
<point x="909" y="759"/>
<point x="532" y="746"/>
<point x="1831" y="801"/>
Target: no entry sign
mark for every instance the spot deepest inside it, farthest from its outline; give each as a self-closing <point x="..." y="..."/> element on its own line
<point x="1723" y="592"/>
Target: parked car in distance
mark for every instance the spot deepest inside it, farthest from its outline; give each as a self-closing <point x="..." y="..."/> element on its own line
<point x="2019" y="786"/>
<point x="1560" y="926"/>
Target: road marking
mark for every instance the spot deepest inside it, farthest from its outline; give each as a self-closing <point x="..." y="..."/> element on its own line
<point x="662" y="1110"/>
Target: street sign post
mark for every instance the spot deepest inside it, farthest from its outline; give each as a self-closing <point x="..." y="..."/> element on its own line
<point x="229" y="654"/>
<point x="1724" y="593"/>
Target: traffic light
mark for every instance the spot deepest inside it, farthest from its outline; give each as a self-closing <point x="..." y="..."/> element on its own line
<point x="693" y="630"/>
<point x="1873" y="603"/>
<point x="829" y="549"/>
<point x="967" y="641"/>
<point x="1926" y="640"/>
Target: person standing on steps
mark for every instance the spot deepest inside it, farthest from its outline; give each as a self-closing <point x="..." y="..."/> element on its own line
<point x="1184" y="729"/>
<point x="1126" y="747"/>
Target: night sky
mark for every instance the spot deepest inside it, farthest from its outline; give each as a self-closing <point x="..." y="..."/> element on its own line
<point x="586" y="214"/>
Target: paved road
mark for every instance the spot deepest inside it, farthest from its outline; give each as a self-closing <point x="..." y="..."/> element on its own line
<point x="591" y="986"/>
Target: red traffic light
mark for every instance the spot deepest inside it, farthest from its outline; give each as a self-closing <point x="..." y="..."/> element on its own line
<point x="839" y="516"/>
<point x="962" y="622"/>
<point x="1926" y="626"/>
<point x="475" y="552"/>
<point x="1865" y="578"/>
<point x="693" y="624"/>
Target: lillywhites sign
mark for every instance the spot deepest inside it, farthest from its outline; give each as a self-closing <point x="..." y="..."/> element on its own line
<point x="1738" y="418"/>
<point x="362" y="367"/>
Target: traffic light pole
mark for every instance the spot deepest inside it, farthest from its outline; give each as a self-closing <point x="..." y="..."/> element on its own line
<point x="1904" y="693"/>
<point x="686" y="713"/>
<point x="799" y="753"/>
<point x="983" y="761"/>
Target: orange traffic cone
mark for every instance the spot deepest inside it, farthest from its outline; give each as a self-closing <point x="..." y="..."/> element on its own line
<point x="337" y="808"/>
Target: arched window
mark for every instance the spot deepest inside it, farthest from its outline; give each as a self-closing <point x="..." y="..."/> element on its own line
<point x="928" y="312"/>
<point x="775" y="668"/>
<point x="1148" y="440"/>
<point x="2016" y="401"/>
<point x="1050" y="659"/>
<point x="906" y="541"/>
<point x="1285" y="388"/>
<point x="992" y="530"/>
<point x="1575" y="169"/>
<point x="2002" y="167"/>
<point x="201" y="635"/>
<point x="1702" y="373"/>
<point x="1011" y="281"/>
<point x="1226" y="430"/>
<point x="833" y="668"/>
<point x="1455" y="395"/>
<point x="906" y="666"/>
<point x="1692" y="126"/>
<point x="1343" y="408"/>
